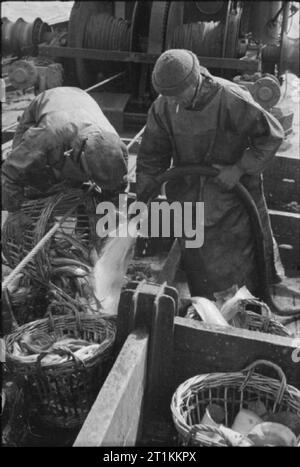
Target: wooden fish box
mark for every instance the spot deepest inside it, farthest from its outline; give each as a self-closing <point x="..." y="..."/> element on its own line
<point x="158" y="351"/>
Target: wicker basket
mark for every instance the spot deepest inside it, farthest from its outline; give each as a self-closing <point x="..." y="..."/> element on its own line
<point x="75" y="235"/>
<point x="29" y="301"/>
<point x="231" y="391"/>
<point x="252" y="321"/>
<point x="264" y="322"/>
<point x="292" y="324"/>
<point x="61" y="394"/>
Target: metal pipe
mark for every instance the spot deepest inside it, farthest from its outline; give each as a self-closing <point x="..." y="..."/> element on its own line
<point x="136" y="137"/>
<point x="10" y="126"/>
<point x="131" y="144"/>
<point x="5" y="61"/>
<point x="105" y="81"/>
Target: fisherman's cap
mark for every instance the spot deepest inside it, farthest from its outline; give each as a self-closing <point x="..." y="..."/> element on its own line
<point x="105" y="155"/>
<point x="174" y="71"/>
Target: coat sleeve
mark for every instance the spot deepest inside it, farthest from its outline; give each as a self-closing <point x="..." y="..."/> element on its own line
<point x="263" y="132"/>
<point x="26" y="121"/>
<point x="25" y="160"/>
<point x="155" y="153"/>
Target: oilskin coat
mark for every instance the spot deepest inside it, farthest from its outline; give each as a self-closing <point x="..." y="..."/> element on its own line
<point x="224" y="126"/>
<point x="56" y="121"/>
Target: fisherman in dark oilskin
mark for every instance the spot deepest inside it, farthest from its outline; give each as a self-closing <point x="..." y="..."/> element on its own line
<point x="63" y="140"/>
<point x="202" y="119"/>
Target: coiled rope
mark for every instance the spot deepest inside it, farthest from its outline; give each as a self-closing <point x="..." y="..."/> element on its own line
<point x="105" y="32"/>
<point x="202" y="38"/>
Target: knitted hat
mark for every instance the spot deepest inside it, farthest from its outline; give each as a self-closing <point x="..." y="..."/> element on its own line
<point x="174" y="71"/>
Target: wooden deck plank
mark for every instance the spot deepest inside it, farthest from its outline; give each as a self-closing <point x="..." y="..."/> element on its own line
<point x="114" y="419"/>
<point x="199" y="348"/>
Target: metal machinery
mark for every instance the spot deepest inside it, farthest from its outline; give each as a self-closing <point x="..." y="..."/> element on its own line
<point x="242" y="40"/>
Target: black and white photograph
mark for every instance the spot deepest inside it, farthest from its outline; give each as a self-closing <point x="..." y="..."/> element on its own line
<point x="150" y="226"/>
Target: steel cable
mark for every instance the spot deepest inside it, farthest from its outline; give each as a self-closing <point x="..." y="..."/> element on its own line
<point x="202" y="38"/>
<point x="105" y="32"/>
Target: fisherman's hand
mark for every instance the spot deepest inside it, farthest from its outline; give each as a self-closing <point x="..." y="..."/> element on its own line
<point x="229" y="176"/>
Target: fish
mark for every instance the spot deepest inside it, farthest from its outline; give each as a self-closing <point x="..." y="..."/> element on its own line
<point x="272" y="434"/>
<point x="87" y="352"/>
<point x="289" y="419"/>
<point x="69" y="262"/>
<point x="70" y="271"/>
<point x="71" y="343"/>
<point x="109" y="272"/>
<point x="233" y="305"/>
<point x="245" y="420"/>
<point x="208" y="311"/>
<point x="234" y="438"/>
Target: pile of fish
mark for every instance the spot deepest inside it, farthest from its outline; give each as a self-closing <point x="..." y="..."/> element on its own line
<point x="73" y="277"/>
<point x="29" y="346"/>
<point x="71" y="266"/>
<point x="254" y="426"/>
<point x="93" y="278"/>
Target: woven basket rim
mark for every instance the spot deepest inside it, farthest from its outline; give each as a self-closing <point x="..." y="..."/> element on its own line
<point x="106" y="322"/>
<point x="273" y="325"/>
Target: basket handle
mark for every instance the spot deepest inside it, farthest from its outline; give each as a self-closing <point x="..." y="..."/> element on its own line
<point x="265" y="310"/>
<point x="250" y="368"/>
<point x="60" y="351"/>
<point x="67" y="301"/>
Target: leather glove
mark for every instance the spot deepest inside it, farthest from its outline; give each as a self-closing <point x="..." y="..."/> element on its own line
<point x="229" y="176"/>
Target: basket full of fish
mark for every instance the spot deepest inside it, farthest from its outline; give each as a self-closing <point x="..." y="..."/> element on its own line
<point x="63" y="362"/>
<point x="68" y="247"/>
